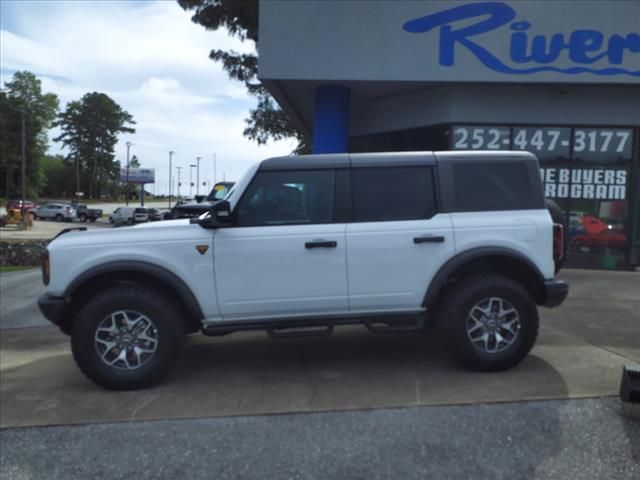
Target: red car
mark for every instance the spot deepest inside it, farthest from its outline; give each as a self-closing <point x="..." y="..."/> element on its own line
<point x="606" y="238"/>
<point x="17" y="204"/>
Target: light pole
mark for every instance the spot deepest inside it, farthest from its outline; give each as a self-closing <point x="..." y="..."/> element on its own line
<point x="171" y="152"/>
<point x="214" y="168"/>
<point x="191" y="167"/>
<point x="178" y="168"/>
<point x="198" y="175"/>
<point x="126" y="188"/>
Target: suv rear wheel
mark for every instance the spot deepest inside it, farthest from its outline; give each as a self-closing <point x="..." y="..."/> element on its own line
<point x="490" y="321"/>
<point x="127" y="337"/>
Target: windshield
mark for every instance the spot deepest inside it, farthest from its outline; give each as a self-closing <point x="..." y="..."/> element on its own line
<point x="219" y="191"/>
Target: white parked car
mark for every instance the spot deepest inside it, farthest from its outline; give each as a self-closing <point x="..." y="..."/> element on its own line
<point x="55" y="211"/>
<point x="122" y="215"/>
<point x="140" y="215"/>
<point x="307" y="243"/>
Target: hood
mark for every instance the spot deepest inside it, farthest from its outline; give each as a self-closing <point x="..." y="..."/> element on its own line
<point x="146" y="232"/>
<point x="206" y="205"/>
<point x="163" y="224"/>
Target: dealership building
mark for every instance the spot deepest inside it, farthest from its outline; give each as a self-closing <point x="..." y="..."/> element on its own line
<point x="560" y="79"/>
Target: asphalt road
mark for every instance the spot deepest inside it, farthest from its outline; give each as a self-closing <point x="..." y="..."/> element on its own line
<point x="578" y="439"/>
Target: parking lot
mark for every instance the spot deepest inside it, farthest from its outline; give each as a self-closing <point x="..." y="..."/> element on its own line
<point x="45" y="229"/>
<point x="580" y="352"/>
<point x="579" y="355"/>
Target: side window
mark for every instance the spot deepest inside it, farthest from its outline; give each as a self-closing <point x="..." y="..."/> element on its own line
<point x="392" y="193"/>
<point x="492" y="186"/>
<point x="287" y="198"/>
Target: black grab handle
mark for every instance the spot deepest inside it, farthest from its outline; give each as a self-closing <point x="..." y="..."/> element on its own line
<point x="429" y="239"/>
<point x="321" y="244"/>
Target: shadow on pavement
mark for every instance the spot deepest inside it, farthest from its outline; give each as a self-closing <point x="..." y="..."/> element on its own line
<point x="251" y="374"/>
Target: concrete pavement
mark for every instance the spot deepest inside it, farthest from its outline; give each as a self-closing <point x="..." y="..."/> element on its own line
<point x="580" y="353"/>
<point x="19" y="292"/>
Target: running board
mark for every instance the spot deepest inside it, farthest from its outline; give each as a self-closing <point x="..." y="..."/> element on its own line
<point x="397" y="325"/>
<point x="316" y="327"/>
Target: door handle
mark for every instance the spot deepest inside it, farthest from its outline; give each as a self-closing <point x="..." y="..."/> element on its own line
<point x="428" y="239"/>
<point x="321" y="244"/>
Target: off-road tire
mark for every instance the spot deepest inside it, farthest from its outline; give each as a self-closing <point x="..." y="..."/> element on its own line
<point x="456" y="306"/>
<point x="82" y="217"/>
<point x="162" y="310"/>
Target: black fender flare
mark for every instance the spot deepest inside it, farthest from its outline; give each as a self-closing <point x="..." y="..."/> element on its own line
<point x="176" y="283"/>
<point x="454" y="263"/>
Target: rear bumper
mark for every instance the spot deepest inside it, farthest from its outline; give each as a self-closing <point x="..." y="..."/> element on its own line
<point x="52" y="307"/>
<point x="556" y="292"/>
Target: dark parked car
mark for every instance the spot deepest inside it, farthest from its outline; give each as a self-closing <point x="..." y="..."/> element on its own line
<point x="17" y="204"/>
<point x="154" y="215"/>
<point x="85" y="213"/>
<point x="195" y="209"/>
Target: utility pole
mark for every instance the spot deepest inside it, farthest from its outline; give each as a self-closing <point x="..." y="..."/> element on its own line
<point x="191" y="167"/>
<point x="23" y="220"/>
<point x="78" y="177"/>
<point x="214" y="168"/>
<point x="126" y="188"/>
<point x="171" y="152"/>
<point x="198" y="175"/>
<point x="178" y="168"/>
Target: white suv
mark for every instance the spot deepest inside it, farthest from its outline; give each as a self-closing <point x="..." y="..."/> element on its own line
<point x="306" y="243"/>
<point x="55" y="211"/>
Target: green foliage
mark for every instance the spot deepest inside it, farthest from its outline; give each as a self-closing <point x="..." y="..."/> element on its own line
<point x="90" y="128"/>
<point x="240" y="18"/>
<point x="134" y="162"/>
<point x="24" y="94"/>
<point x="60" y="177"/>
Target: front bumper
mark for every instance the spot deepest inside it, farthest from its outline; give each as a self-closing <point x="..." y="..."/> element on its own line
<point x="556" y="292"/>
<point x="52" y="307"/>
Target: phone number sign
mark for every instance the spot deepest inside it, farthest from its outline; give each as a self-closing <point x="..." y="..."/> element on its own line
<point x="586" y="144"/>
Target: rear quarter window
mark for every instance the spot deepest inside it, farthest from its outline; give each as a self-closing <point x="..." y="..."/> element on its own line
<point x="493" y="186"/>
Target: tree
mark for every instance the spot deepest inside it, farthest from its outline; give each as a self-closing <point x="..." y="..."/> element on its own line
<point x="240" y="18"/>
<point x="24" y="94"/>
<point x="90" y="128"/>
<point x="131" y="189"/>
<point x="134" y="162"/>
<point x="59" y="177"/>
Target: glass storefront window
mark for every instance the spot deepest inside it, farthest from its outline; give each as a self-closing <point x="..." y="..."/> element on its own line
<point x="598" y="236"/>
<point x="585" y="171"/>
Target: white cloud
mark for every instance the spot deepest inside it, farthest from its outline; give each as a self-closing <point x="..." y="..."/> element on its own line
<point x="152" y="60"/>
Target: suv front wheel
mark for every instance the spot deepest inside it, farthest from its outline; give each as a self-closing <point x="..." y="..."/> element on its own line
<point x="127" y="337"/>
<point x="490" y="321"/>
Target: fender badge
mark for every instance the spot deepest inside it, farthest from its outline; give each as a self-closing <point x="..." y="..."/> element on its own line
<point x="202" y="249"/>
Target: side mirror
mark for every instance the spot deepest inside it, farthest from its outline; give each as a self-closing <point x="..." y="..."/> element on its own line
<point x="200" y="198"/>
<point x="221" y="212"/>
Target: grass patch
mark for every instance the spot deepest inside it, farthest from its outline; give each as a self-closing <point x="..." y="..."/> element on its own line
<point x="15" y="268"/>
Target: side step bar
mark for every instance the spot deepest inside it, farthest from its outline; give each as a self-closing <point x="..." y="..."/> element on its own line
<point x="316" y="327"/>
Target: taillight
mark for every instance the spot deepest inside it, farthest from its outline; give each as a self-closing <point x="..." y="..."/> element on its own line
<point x="558" y="241"/>
<point x="46" y="267"/>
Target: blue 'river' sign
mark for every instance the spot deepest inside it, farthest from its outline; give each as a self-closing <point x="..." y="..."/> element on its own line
<point x="528" y="53"/>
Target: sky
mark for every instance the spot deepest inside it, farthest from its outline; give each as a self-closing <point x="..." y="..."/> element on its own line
<point x="153" y="61"/>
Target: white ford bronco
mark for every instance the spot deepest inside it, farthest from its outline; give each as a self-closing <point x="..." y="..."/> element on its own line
<point x="303" y="244"/>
